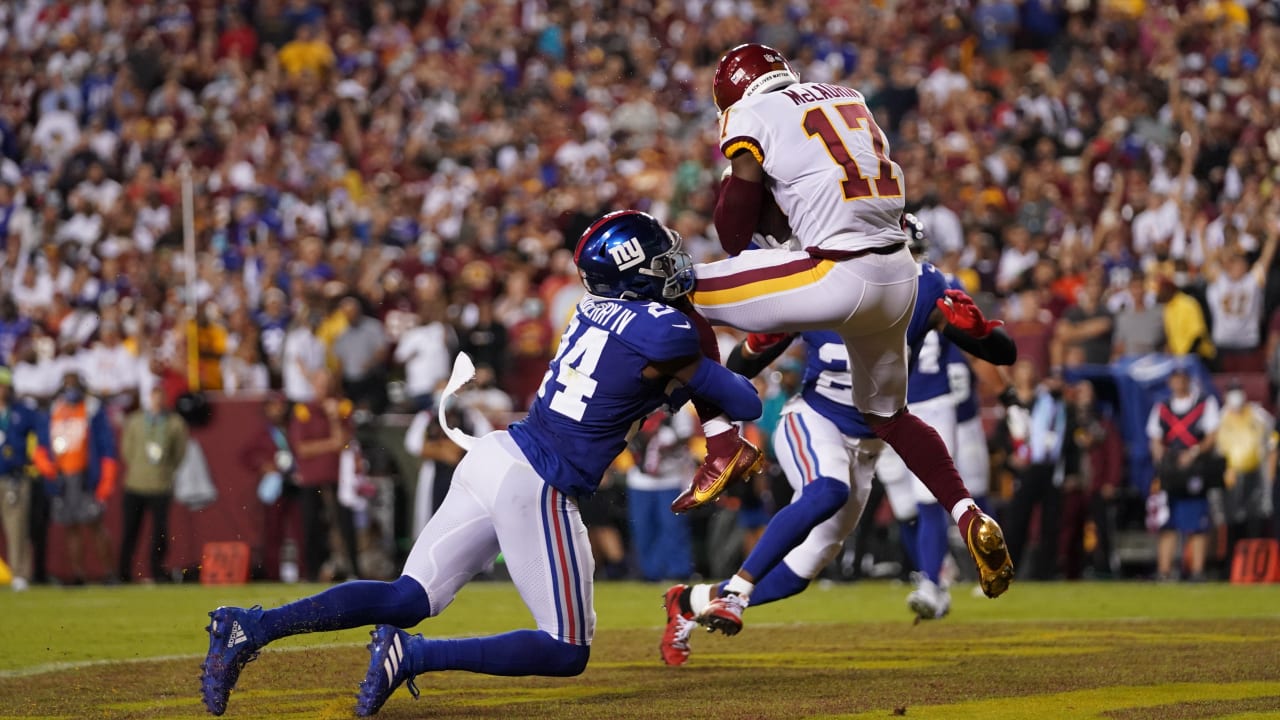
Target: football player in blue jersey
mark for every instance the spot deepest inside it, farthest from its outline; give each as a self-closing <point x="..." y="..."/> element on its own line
<point x="828" y="452"/>
<point x="951" y="405"/>
<point x="628" y="350"/>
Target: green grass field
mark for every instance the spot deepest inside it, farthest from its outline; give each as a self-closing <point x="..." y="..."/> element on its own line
<point x="1114" y="651"/>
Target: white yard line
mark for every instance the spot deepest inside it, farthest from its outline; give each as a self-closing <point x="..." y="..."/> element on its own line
<point x="81" y="664"/>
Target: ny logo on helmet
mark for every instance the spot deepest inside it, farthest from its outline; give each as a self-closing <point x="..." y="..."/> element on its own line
<point x="628" y="254"/>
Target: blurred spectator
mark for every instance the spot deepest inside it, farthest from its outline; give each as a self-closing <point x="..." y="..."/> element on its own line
<point x="425" y="440"/>
<point x="318" y="432"/>
<point x="482" y="395"/>
<point x="244" y="372"/>
<point x="1246" y="440"/>
<point x="302" y="358"/>
<point x="211" y="339"/>
<point x="531" y="344"/>
<point x="485" y="340"/>
<point x="1185" y="329"/>
<point x="1034" y="432"/>
<point x="663" y="465"/>
<point x="18" y="422"/>
<point x="426" y="350"/>
<point x="1181" y="431"/>
<point x="76" y="454"/>
<point x="1139" y="326"/>
<point x="1236" y="306"/>
<point x="270" y="460"/>
<point x="1083" y="335"/>
<point x="1092" y="460"/>
<point x="361" y="351"/>
<point x="109" y="366"/>
<point x="605" y="515"/>
<point x="308" y="53"/>
<point x="152" y="446"/>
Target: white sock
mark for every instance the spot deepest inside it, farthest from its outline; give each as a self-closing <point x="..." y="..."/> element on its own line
<point x="716" y="425"/>
<point x="738" y="585"/>
<point x="961" y="508"/>
<point x="699" y="597"/>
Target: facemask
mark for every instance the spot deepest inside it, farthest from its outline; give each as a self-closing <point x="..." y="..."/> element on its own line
<point x="73" y="394"/>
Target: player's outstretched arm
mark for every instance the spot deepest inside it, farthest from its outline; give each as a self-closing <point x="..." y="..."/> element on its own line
<point x="996" y="348"/>
<point x="709" y="380"/>
<point x="963" y="323"/>
<point x="751" y="356"/>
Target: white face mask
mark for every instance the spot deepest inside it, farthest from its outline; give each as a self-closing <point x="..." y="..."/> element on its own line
<point x="1235" y="399"/>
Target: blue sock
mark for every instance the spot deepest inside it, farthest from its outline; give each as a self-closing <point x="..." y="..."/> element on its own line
<point x="932" y="539"/>
<point x="402" y="603"/>
<point x="909" y="533"/>
<point x="791" y="525"/>
<point x="522" y="652"/>
<point x="781" y="582"/>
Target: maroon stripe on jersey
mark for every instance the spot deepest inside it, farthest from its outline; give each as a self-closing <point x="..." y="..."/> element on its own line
<point x="746" y="277"/>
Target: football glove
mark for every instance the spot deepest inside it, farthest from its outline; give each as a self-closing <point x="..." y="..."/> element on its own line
<point x="759" y="342"/>
<point x="959" y="310"/>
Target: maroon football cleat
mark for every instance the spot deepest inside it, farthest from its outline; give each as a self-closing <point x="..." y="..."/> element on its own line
<point x="724" y="614"/>
<point x="717" y="473"/>
<point x="675" y="637"/>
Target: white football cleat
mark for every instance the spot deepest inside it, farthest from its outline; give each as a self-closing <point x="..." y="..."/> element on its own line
<point x="929" y="601"/>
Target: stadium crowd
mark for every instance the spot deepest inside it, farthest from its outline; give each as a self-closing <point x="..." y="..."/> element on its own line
<point x="378" y="185"/>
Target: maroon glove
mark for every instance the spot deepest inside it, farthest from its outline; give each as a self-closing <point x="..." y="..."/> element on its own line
<point x="759" y="342"/>
<point x="958" y="308"/>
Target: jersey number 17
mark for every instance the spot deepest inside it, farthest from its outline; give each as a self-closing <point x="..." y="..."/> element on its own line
<point x="856" y="185"/>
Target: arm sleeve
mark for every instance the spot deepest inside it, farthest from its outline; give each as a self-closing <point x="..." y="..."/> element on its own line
<point x="737" y="213"/>
<point x="752" y="366"/>
<point x="671" y="336"/>
<point x="734" y="394"/>
<point x="997" y="348"/>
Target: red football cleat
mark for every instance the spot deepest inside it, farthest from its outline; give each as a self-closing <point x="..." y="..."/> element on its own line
<point x="675" y="637"/>
<point x="986" y="545"/>
<point x="724" y="614"/>
<point x="717" y="473"/>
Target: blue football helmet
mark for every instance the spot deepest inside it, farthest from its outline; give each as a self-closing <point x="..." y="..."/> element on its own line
<point x="629" y="255"/>
<point x="917" y="238"/>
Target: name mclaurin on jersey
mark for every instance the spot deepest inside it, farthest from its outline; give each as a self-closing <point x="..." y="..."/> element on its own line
<point x="820" y="91"/>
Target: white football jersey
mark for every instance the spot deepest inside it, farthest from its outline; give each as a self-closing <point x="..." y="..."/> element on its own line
<point x="1237" y="307"/>
<point x="827" y="163"/>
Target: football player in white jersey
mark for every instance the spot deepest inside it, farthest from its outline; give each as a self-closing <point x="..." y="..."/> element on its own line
<point x="816" y="148"/>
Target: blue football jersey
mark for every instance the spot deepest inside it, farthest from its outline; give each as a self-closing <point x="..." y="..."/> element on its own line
<point x="928" y="369"/>
<point x="962" y="378"/>
<point x="964" y="383"/>
<point x="827" y="384"/>
<point x="593" y="396"/>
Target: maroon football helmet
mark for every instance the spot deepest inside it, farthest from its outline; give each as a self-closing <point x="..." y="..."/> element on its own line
<point x="748" y="70"/>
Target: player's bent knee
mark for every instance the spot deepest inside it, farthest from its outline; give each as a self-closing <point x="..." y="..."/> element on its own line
<point x="564" y="659"/>
<point x="408" y="603"/>
<point x="827" y="494"/>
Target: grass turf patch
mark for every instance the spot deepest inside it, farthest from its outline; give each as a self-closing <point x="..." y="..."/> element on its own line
<point x="1067" y="650"/>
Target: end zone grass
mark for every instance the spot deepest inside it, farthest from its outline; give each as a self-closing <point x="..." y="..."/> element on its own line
<point x="1118" y="651"/>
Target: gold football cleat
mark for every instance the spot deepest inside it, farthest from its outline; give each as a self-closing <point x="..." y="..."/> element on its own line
<point x="990" y="553"/>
